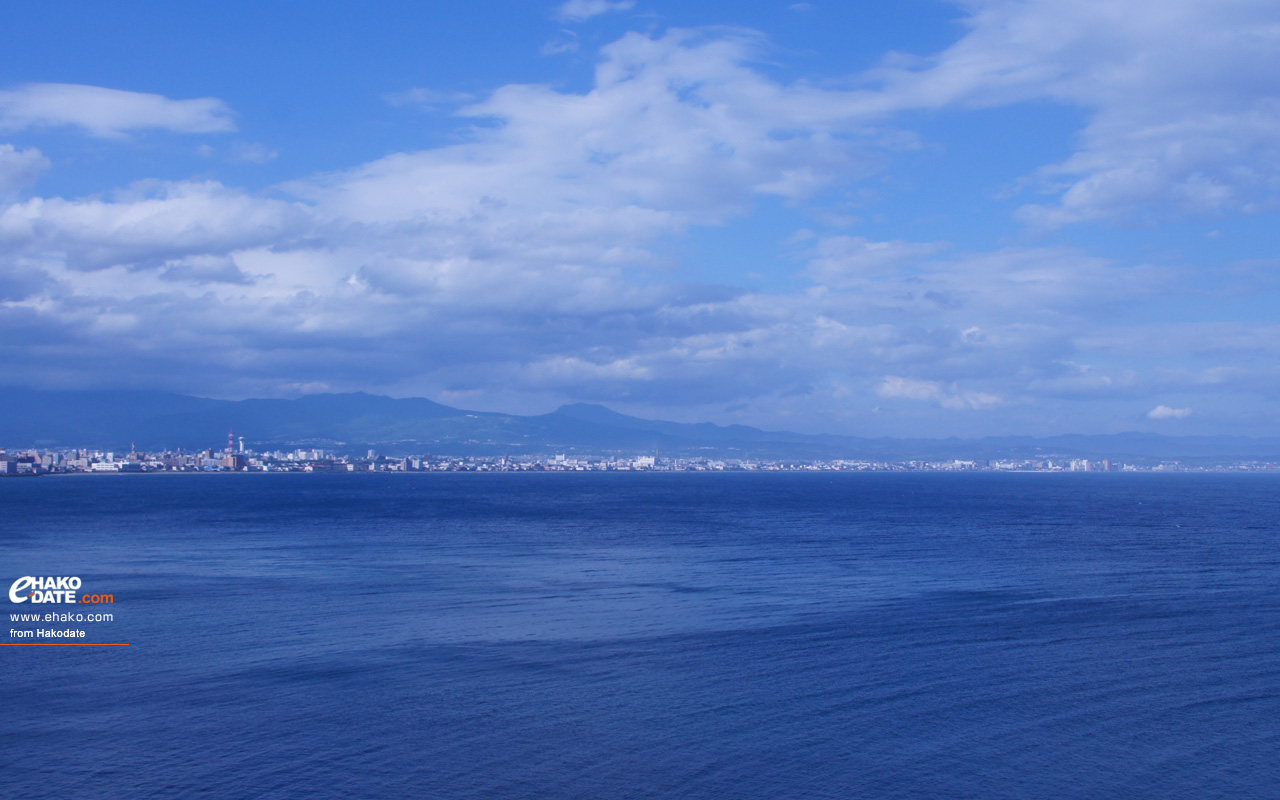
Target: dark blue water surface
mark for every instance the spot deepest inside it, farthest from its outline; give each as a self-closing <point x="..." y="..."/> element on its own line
<point x="650" y="635"/>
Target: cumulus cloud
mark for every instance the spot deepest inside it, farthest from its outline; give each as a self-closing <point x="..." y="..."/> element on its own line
<point x="843" y="261"/>
<point x="21" y="282"/>
<point x="18" y="169"/>
<point x="107" y="112"/>
<point x="203" y="269"/>
<point x="677" y="130"/>
<point x="507" y="261"/>
<point x="1165" y="412"/>
<point x="522" y="260"/>
<point x="1182" y="97"/>
<point x="150" y="222"/>
<point x="1030" y="285"/>
<point x="579" y="10"/>
<point x="897" y="388"/>
<point x="507" y="258"/>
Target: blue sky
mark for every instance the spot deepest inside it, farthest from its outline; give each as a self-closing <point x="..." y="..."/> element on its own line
<point x="909" y="219"/>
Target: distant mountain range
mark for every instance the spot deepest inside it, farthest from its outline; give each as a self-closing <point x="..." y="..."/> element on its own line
<point x="356" y="422"/>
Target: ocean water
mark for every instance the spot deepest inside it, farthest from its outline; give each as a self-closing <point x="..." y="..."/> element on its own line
<point x="649" y="636"/>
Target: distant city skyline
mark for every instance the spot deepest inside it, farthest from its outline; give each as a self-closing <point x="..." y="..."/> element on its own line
<point x="35" y="462"/>
<point x="918" y="219"/>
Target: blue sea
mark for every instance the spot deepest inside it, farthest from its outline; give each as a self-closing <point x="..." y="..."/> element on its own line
<point x="649" y="636"/>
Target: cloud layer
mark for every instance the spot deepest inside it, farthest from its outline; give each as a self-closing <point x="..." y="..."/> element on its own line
<point x="108" y="112"/>
<point x="1183" y="98"/>
<point x="531" y="263"/>
<point x="1165" y="412"/>
<point x="578" y="10"/>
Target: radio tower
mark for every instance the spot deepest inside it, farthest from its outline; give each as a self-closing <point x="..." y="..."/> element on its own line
<point x="231" y="440"/>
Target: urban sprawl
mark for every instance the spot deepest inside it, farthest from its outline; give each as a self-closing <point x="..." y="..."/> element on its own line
<point x="235" y="458"/>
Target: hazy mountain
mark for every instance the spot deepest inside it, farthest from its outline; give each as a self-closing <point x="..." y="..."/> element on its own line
<point x="354" y="422"/>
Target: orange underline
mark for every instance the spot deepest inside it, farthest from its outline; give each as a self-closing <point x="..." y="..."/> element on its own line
<point x="64" y="644"/>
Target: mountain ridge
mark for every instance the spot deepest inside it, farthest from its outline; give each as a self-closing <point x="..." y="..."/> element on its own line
<point x="355" y="421"/>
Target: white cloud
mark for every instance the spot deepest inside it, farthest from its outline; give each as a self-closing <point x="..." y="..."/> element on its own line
<point x="515" y="262"/>
<point x="677" y="130"/>
<point x="1165" y="412"/>
<point x="1028" y="285"/>
<point x="579" y="10"/>
<point x="1182" y="97"/>
<point x="147" y="224"/>
<point x="504" y="264"/>
<point x="252" y="153"/>
<point x="109" y="112"/>
<point x="18" y="169"/>
<point x="427" y="98"/>
<point x="566" y="43"/>
<point x="203" y="269"/>
<point x="843" y="261"/>
<point x="898" y="388"/>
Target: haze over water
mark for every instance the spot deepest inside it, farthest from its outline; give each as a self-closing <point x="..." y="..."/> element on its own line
<point x="651" y="636"/>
